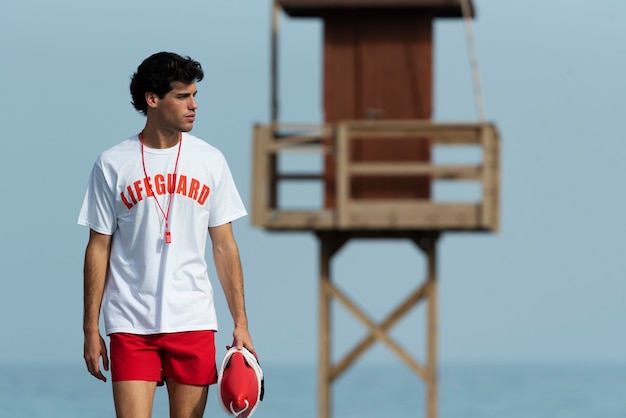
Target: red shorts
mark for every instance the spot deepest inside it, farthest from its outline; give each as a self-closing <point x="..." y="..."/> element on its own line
<point x="186" y="357"/>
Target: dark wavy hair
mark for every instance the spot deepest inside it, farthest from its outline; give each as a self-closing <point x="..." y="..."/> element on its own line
<point x="157" y="73"/>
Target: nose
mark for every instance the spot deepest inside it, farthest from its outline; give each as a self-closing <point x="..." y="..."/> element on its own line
<point x="192" y="103"/>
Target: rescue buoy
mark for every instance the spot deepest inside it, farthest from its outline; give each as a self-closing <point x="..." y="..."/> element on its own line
<point x="240" y="385"/>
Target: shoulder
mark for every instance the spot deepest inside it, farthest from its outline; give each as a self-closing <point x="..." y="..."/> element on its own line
<point x="201" y="147"/>
<point x="121" y="151"/>
<point x="117" y="158"/>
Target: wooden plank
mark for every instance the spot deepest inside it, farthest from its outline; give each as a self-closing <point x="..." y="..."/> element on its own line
<point x="299" y="148"/>
<point x="457" y="172"/>
<point x="299" y="176"/>
<point x="412" y="124"/>
<point x="449" y="135"/>
<point x="443" y="133"/>
<point x="444" y="139"/>
<point x="294" y="141"/>
<point x="299" y="220"/>
<point x="420" y="207"/>
<point x="435" y="137"/>
<point x="489" y="216"/>
<point x="364" y="216"/>
<point x="342" y="175"/>
<point x="260" y="176"/>
<point x="390" y="222"/>
<point x="319" y="129"/>
<point x="459" y="137"/>
<point x="496" y="185"/>
<point x="487" y="145"/>
<point x="403" y="214"/>
<point x="400" y="222"/>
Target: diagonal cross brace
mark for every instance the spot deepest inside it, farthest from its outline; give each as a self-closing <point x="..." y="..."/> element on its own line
<point x="378" y="332"/>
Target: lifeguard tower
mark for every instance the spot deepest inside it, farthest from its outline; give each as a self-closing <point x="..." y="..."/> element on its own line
<point x="378" y="174"/>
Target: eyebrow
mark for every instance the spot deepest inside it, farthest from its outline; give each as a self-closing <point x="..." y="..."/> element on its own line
<point x="186" y="94"/>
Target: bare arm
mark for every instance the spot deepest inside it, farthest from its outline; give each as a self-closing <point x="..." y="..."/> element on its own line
<point x="230" y="274"/>
<point x="95" y="270"/>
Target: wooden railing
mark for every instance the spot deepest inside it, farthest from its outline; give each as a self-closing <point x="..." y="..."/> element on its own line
<point x="270" y="142"/>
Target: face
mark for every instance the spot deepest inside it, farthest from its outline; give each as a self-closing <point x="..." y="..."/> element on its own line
<point x="176" y="111"/>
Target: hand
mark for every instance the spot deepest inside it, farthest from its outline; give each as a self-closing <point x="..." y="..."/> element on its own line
<point x="95" y="348"/>
<point x="241" y="339"/>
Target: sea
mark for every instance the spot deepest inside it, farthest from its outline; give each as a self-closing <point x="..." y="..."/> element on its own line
<point x="364" y="391"/>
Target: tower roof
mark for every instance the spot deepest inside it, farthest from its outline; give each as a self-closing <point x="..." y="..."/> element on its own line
<point x="313" y="8"/>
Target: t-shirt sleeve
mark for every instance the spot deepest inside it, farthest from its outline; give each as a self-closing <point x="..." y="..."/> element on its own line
<point x="226" y="204"/>
<point x="98" y="209"/>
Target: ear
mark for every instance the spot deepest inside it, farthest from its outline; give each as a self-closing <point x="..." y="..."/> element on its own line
<point x="152" y="99"/>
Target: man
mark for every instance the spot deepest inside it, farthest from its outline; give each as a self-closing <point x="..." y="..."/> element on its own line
<point x="149" y="203"/>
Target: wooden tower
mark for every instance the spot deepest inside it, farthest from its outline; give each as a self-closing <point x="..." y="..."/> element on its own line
<point x="378" y="173"/>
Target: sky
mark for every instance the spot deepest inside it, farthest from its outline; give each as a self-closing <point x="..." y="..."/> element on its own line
<point x="548" y="288"/>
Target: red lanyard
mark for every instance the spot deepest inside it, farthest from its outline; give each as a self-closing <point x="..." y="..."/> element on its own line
<point x="166" y="215"/>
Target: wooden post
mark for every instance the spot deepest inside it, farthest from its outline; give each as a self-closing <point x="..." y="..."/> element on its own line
<point x="330" y="243"/>
<point x="429" y="247"/>
<point x="343" y="178"/>
<point x="274" y="62"/>
<point x="432" y="392"/>
<point x="324" y="403"/>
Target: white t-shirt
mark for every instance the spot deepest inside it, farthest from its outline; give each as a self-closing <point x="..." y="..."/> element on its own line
<point x="154" y="287"/>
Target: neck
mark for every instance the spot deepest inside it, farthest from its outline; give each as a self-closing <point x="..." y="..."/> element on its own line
<point x="158" y="139"/>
